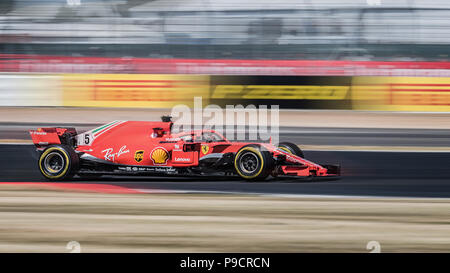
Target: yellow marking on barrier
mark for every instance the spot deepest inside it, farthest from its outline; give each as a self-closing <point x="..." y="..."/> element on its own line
<point x="133" y="90"/>
<point x="423" y="94"/>
<point x="282" y="92"/>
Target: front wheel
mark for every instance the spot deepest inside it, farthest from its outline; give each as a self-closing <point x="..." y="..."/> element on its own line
<point x="253" y="163"/>
<point x="291" y="148"/>
<point x="58" y="162"/>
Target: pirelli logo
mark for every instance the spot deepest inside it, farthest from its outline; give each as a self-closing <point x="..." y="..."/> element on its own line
<point x="401" y="94"/>
<point x="144" y="90"/>
<point x="419" y="94"/>
<point x="281" y="92"/>
<point x="133" y="90"/>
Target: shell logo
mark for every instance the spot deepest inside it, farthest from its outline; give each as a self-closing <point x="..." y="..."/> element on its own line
<point x="159" y="155"/>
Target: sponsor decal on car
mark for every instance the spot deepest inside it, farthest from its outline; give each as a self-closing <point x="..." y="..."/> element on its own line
<point x="173" y="139"/>
<point x="182" y="159"/>
<point x="159" y="156"/>
<point x="110" y="155"/>
<point x="39" y="133"/>
<point x="205" y="149"/>
<point x="139" y="156"/>
<point x="147" y="169"/>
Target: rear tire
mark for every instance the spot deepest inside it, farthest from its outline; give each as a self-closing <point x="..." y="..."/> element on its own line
<point x="58" y="162"/>
<point x="291" y="148"/>
<point x="253" y="163"/>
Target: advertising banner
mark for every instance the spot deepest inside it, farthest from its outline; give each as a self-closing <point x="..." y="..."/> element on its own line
<point x="422" y="94"/>
<point x="307" y="92"/>
<point x="132" y="90"/>
<point x="30" y="90"/>
<point x="127" y="65"/>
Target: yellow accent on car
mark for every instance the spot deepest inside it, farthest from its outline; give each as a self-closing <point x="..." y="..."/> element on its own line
<point x="159" y="156"/>
<point x="66" y="167"/>
<point x="139" y="155"/>
<point x="258" y="153"/>
<point x="205" y="149"/>
<point x="285" y="149"/>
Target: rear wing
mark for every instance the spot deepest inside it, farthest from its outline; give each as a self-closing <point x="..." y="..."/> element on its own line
<point x="47" y="136"/>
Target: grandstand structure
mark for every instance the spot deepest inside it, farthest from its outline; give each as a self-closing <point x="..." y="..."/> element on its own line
<point x="229" y="29"/>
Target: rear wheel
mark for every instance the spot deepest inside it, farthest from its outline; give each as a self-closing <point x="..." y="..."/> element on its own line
<point x="291" y="148"/>
<point x="253" y="163"/>
<point x="58" y="162"/>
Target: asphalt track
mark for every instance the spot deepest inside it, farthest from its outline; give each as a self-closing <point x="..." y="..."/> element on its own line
<point x="404" y="174"/>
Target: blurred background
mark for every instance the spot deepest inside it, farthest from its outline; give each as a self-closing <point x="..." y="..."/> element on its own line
<point x="350" y="54"/>
<point x="362" y="83"/>
<point x="364" y="30"/>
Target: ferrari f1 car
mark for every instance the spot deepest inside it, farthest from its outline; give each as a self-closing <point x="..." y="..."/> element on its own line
<point x="150" y="148"/>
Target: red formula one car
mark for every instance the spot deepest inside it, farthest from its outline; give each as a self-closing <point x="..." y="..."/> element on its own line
<point x="150" y="148"/>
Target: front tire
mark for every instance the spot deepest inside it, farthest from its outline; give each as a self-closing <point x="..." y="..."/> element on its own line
<point x="291" y="148"/>
<point x="58" y="162"/>
<point x="253" y="163"/>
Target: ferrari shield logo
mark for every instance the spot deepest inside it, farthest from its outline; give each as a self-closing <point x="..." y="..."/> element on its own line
<point x="138" y="156"/>
<point x="205" y="149"/>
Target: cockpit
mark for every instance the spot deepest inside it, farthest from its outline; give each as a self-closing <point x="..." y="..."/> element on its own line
<point x="203" y="136"/>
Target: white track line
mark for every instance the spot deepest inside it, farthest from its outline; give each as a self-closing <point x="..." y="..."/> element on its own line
<point x="283" y="195"/>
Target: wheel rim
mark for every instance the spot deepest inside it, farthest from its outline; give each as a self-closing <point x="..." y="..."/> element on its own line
<point x="249" y="162"/>
<point x="54" y="162"/>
